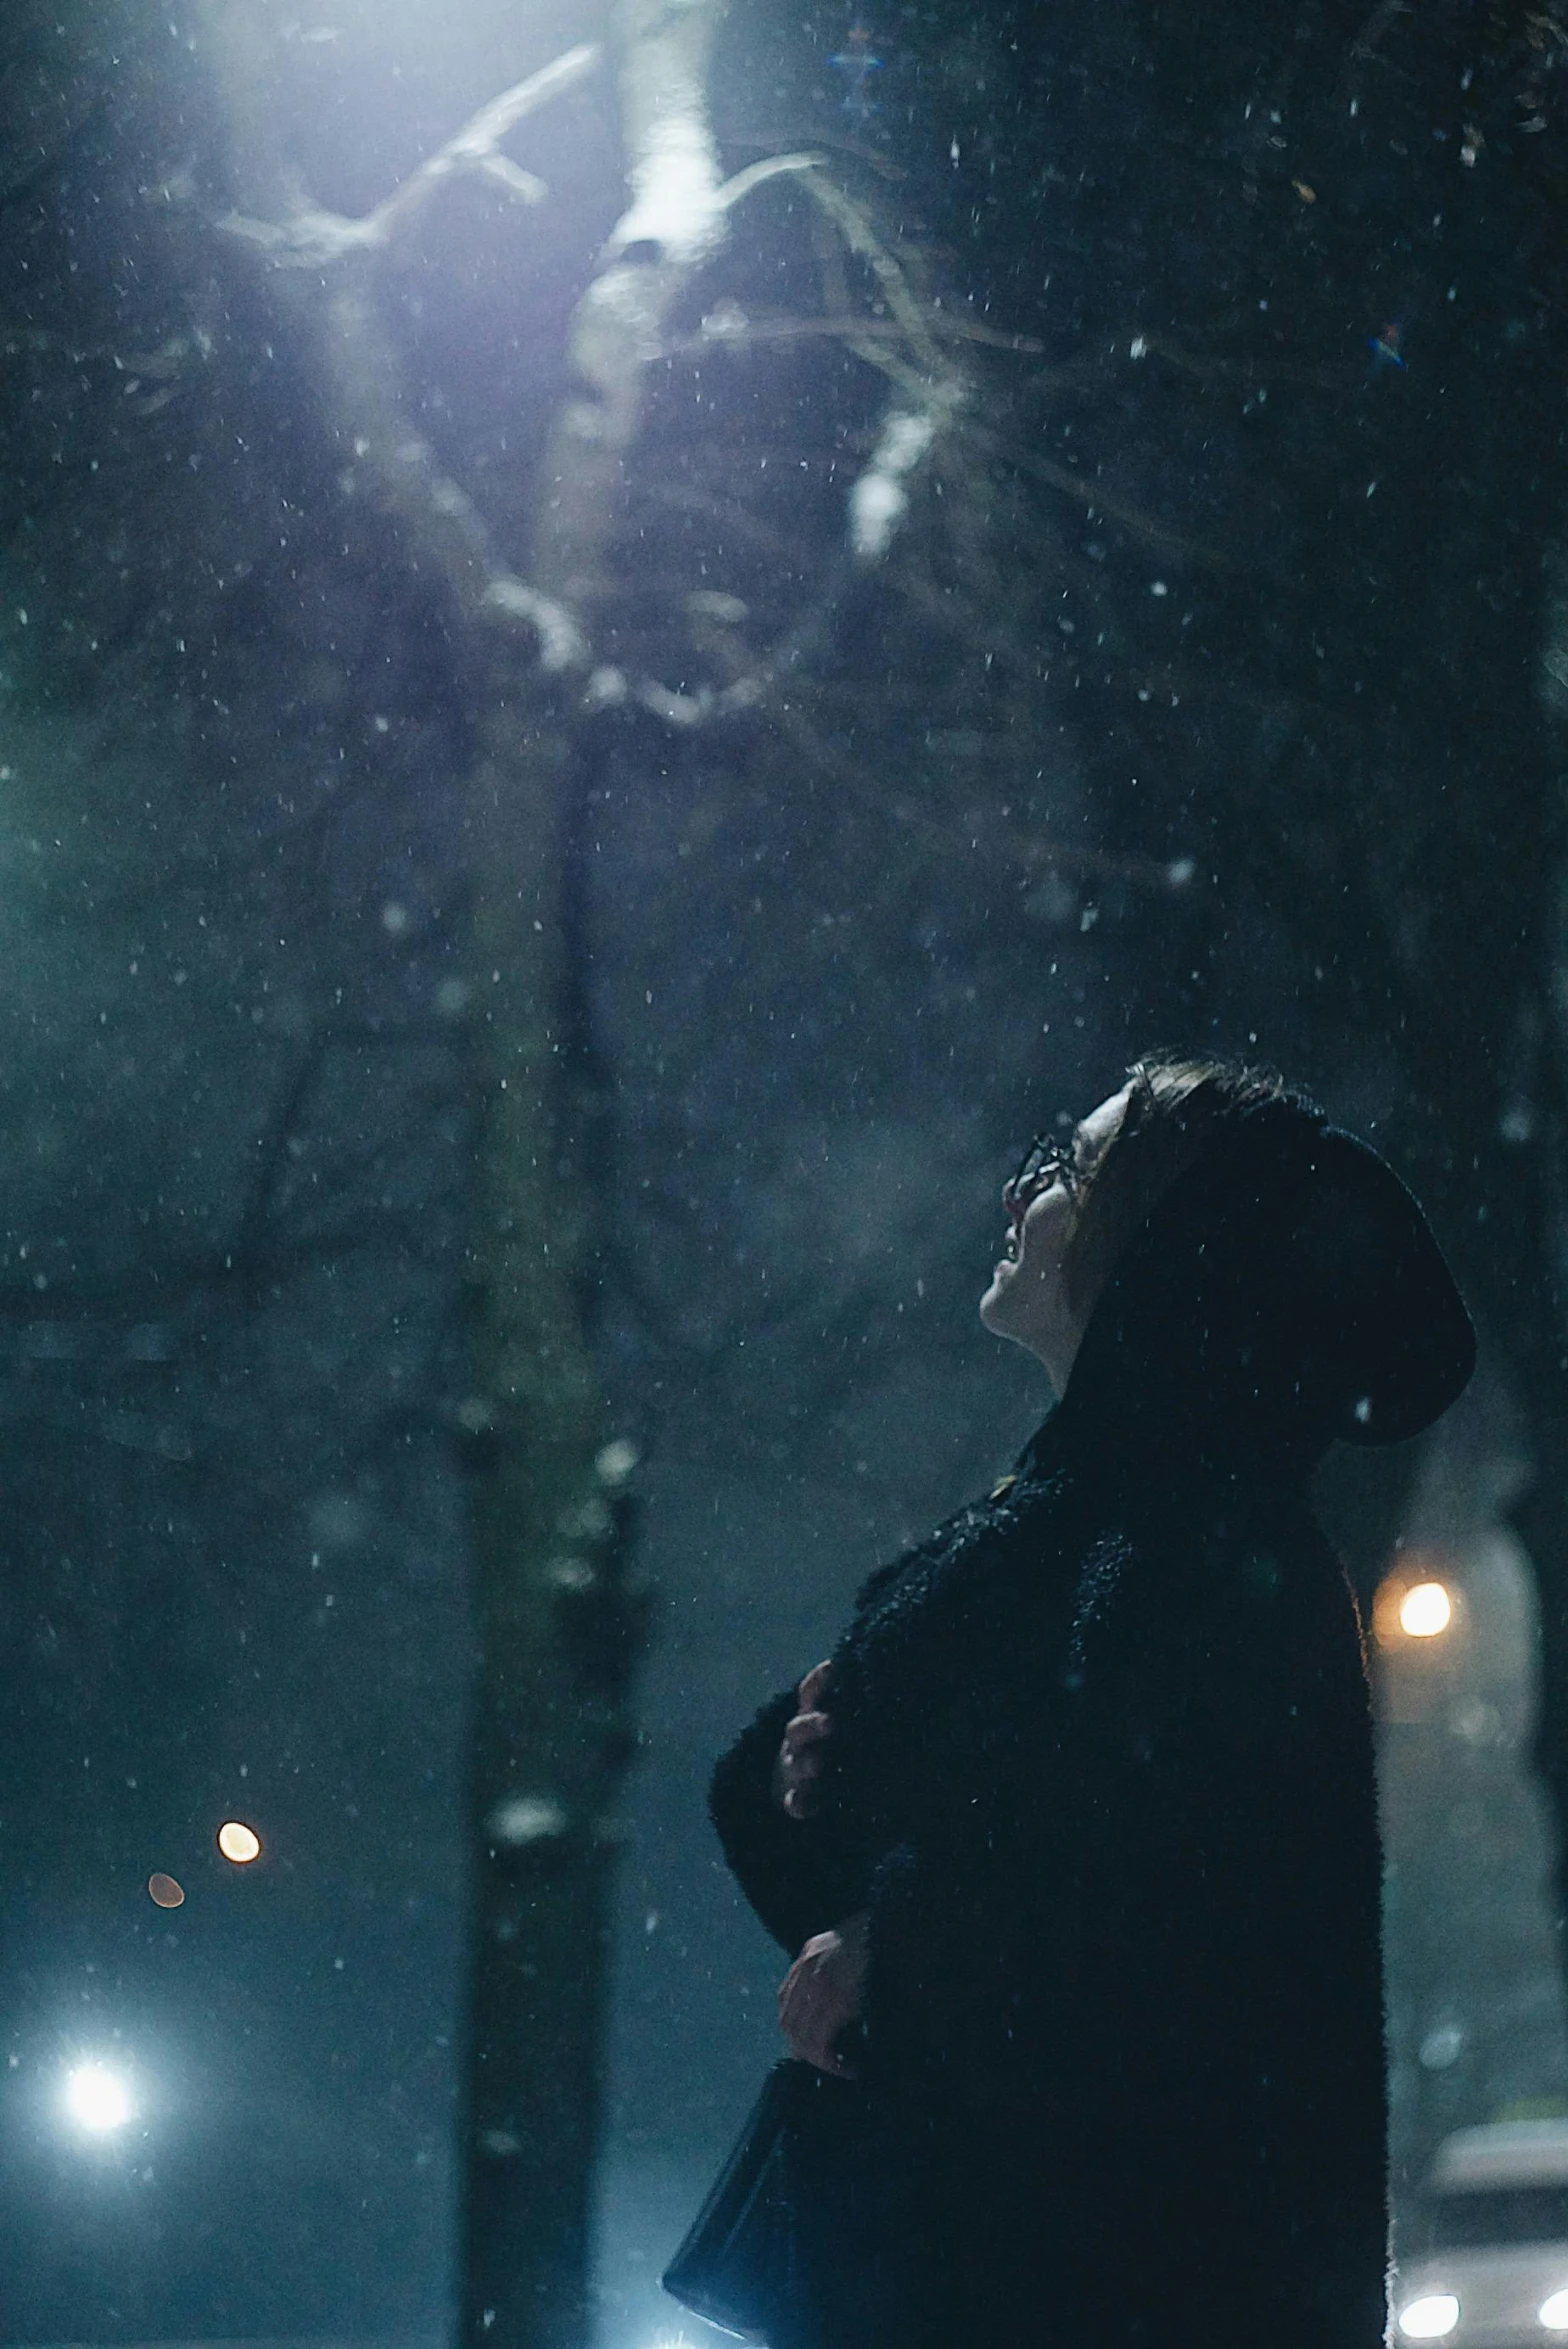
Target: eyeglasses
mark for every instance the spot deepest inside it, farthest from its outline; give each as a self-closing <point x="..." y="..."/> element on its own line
<point x="1044" y="1162"/>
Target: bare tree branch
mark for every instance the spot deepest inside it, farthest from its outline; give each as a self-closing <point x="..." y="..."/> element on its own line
<point x="313" y="239"/>
<point x="729" y="329"/>
<point x="1097" y="499"/>
<point x="1019" y="853"/>
<point x="736" y="189"/>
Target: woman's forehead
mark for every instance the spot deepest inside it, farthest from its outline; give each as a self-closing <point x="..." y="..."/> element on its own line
<point x="1099" y="1129"/>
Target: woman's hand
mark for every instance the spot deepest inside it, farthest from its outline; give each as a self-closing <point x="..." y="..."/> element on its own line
<point x="797" y="1776"/>
<point x="820" y="1995"/>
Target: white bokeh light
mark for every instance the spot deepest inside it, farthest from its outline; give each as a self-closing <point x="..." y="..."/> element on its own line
<point x="98" y="2099"/>
<point x="1553" y="2313"/>
<point x="1429" y="2318"/>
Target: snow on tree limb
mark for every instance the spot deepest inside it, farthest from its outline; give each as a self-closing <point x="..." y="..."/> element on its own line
<point x="879" y="501"/>
<point x="477" y="145"/>
<point x="356" y="365"/>
<point x="562" y="645"/>
<point x="854" y="224"/>
<point x="729" y="328"/>
<point x="736" y="189"/>
<point x="310" y="238"/>
<point x="359" y="372"/>
<point x="931" y="390"/>
<point x="676" y="219"/>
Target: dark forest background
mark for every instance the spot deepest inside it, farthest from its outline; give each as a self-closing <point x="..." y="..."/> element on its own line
<point x="580" y="764"/>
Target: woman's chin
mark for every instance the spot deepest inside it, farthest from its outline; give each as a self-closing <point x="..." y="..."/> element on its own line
<point x="1005" y="1310"/>
<point x="993" y="1305"/>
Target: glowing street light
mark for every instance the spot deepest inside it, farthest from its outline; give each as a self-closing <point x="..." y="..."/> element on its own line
<point x="1425" y="1611"/>
<point x="98" y="2099"/>
<point x="239" y="1843"/>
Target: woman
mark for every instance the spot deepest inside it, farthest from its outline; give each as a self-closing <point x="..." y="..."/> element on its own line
<point x="1073" y="1841"/>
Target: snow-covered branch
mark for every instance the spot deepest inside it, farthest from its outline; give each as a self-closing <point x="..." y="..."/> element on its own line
<point x="727" y="327"/>
<point x="736" y="189"/>
<point x="676" y="220"/>
<point x="310" y="238"/>
<point x="338" y="316"/>
<point x="387" y="455"/>
<point x="929" y="389"/>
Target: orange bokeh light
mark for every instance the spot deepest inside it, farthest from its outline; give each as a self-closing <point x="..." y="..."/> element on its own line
<point x="1425" y="1611"/>
<point x="1418" y="1606"/>
<point x="167" y="1891"/>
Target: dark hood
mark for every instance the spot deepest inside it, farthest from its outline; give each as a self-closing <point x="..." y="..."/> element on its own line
<point x="1285" y="1291"/>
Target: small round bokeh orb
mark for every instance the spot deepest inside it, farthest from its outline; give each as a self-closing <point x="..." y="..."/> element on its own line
<point x="165" y="1890"/>
<point x="239" y="1843"/>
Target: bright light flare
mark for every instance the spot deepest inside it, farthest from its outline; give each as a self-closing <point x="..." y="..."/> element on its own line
<point x="239" y="1843"/>
<point x="1430" y="2318"/>
<point x="1553" y="2313"/>
<point x="97" y="2099"/>
<point x="1425" y="1611"/>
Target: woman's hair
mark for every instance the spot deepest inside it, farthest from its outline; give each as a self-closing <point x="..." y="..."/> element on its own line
<point x="1175" y="1108"/>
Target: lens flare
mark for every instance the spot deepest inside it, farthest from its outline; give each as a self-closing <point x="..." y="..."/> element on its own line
<point x="167" y="1891"/>
<point x="239" y="1843"/>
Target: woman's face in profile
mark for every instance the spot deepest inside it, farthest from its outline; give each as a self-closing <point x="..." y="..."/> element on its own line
<point x="1027" y="1300"/>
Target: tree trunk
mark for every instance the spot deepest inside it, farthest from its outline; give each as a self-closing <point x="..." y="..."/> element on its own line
<point x="557" y="1625"/>
<point x="559" y="1628"/>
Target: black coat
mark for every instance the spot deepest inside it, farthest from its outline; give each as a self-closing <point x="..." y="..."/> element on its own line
<point x="1102" y="1772"/>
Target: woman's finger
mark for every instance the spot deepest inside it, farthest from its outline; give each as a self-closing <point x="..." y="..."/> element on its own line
<point x="810" y="2051"/>
<point x="813" y="1688"/>
<point x="799" y="1783"/>
<point x="814" y="2012"/>
<point x="796" y="2005"/>
<point x="801" y="1762"/>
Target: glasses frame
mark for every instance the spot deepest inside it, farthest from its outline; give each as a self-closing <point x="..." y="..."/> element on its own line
<point x="1048" y="1157"/>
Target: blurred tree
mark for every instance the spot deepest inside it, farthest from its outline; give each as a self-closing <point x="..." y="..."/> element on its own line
<point x="552" y="644"/>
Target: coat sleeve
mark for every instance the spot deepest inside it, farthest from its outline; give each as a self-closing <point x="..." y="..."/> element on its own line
<point x="801" y="1876"/>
